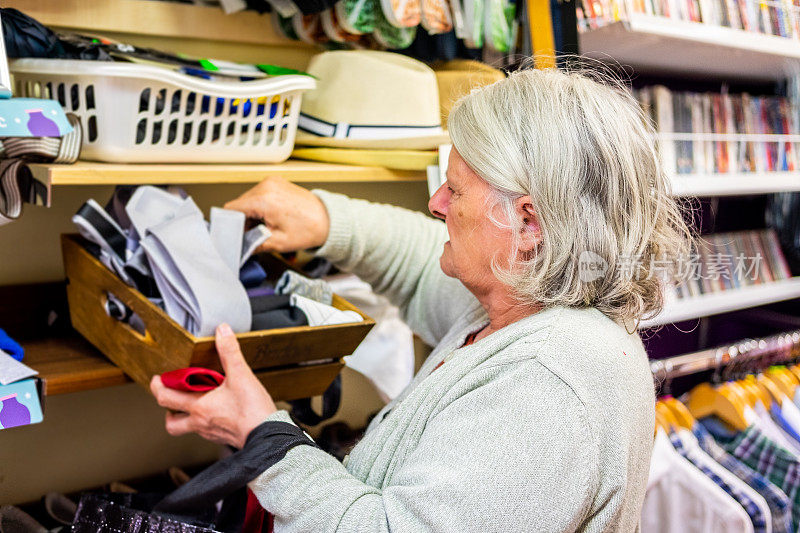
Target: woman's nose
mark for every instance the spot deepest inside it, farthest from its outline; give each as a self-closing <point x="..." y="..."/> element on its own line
<point x="437" y="205"/>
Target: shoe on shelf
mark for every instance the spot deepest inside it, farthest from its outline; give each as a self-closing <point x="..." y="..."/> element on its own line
<point x="118" y="486"/>
<point x="15" y="520"/>
<point x="178" y="476"/>
<point x="60" y="508"/>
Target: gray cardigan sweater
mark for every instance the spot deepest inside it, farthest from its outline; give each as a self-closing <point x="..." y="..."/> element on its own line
<point x="545" y="425"/>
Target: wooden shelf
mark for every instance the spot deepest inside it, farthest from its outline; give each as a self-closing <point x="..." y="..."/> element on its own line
<point x="734" y="184"/>
<point x="661" y="45"/>
<point x="162" y="19"/>
<point x="724" y="302"/>
<point x="71" y="365"/>
<point x="90" y="173"/>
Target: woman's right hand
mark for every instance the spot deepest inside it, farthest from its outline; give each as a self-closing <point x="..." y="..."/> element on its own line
<point x="295" y="216"/>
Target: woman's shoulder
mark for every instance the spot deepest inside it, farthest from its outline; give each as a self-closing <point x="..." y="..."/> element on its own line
<point x="588" y="349"/>
<point x="574" y="338"/>
<point x="590" y="358"/>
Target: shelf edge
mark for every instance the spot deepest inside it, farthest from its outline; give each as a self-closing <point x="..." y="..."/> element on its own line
<point x="724" y="302"/>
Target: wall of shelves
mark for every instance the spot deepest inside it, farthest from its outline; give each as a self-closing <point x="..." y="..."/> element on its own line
<point x="723" y="302"/>
<point x="652" y="44"/>
<point x="734" y="184"/>
<point x="685" y="50"/>
<point x="92" y="415"/>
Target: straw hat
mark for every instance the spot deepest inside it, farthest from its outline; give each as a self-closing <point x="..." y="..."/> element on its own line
<point x="373" y="100"/>
<point x="394" y="159"/>
<point x="458" y="77"/>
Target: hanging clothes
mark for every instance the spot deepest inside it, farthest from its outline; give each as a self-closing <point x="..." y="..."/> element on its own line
<point x="772" y="431"/>
<point x="787" y="416"/>
<point x="681" y="499"/>
<point x="780" y="506"/>
<point x="756" y="507"/>
<point x="756" y="450"/>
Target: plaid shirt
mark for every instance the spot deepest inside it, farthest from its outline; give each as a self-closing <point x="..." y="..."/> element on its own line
<point x="772" y="461"/>
<point x="754" y="511"/>
<point x="778" y="502"/>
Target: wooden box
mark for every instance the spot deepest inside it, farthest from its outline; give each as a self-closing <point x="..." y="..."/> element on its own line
<point x="292" y="363"/>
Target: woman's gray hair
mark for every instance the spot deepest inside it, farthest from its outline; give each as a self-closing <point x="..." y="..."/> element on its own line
<point x="585" y="153"/>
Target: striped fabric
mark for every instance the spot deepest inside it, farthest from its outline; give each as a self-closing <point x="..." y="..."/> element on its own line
<point x="753" y="511"/>
<point x="778" y="465"/>
<point x="780" y="505"/>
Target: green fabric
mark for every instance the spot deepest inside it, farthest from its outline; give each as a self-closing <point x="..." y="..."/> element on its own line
<point x="274" y="70"/>
<point x="500" y="21"/>
<point x="392" y="37"/>
<point x="778" y="465"/>
<point x="475" y="37"/>
<point x="286" y="27"/>
<point x="357" y="16"/>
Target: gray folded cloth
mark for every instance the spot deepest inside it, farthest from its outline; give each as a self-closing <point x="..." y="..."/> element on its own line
<point x="319" y="314"/>
<point x="227" y="232"/>
<point x="293" y="283"/>
<point x="194" y="265"/>
<point x="199" y="289"/>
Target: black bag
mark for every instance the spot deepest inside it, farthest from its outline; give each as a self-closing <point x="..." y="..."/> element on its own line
<point x="192" y="507"/>
<point x="131" y="513"/>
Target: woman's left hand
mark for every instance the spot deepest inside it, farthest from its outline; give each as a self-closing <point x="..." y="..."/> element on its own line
<point x="227" y="414"/>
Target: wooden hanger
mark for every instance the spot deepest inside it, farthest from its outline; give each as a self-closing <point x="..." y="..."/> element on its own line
<point x="780" y="380"/>
<point x="750" y="395"/>
<point x="668" y="417"/>
<point x="705" y="400"/>
<point x="763" y="396"/>
<point x="790" y="377"/>
<point x="682" y="415"/>
<point x="768" y="385"/>
<point x="795" y="369"/>
<point x="734" y="389"/>
<point x="661" y="423"/>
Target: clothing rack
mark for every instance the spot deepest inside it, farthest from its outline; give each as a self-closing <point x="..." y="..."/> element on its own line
<point x="750" y="353"/>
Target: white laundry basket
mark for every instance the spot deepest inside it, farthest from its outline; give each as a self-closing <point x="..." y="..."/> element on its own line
<point x="146" y="114"/>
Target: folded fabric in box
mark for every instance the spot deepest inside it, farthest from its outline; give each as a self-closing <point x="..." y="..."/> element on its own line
<point x="291" y="282"/>
<point x="319" y="314"/>
<point x="197" y="272"/>
<point x="275" y="311"/>
<point x="292" y="310"/>
<point x="199" y="289"/>
<point x="160" y="243"/>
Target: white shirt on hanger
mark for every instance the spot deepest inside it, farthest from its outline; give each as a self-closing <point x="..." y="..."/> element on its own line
<point x="681" y="499"/>
<point x="698" y="456"/>
<point x="791" y="413"/>
<point x="763" y="421"/>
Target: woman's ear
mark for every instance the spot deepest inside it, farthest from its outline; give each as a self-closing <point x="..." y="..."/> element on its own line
<point x="528" y="221"/>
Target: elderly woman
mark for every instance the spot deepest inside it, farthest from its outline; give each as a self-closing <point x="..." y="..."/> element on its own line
<point x="535" y="411"/>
